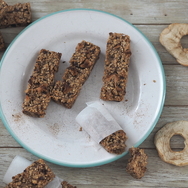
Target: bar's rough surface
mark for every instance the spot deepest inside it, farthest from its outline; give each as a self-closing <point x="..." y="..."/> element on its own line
<point x="40" y="84"/>
<point x="65" y="92"/>
<point x="15" y="15"/>
<point x="2" y="43"/>
<point x="115" y="143"/>
<point x="37" y="175"/>
<point x="116" y="67"/>
<point x="136" y="166"/>
<point x="3" y="6"/>
<point x="67" y="185"/>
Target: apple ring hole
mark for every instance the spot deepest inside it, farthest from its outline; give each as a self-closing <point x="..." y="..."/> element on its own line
<point x="177" y="142"/>
<point x="184" y="41"/>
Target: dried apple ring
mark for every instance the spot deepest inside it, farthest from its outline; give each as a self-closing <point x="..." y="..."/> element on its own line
<point x="162" y="143"/>
<point x="170" y="38"/>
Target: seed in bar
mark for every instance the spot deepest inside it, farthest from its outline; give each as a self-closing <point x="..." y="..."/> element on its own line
<point x="116" y="67"/>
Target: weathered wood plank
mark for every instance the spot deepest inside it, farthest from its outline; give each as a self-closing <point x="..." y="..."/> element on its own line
<point x="159" y="174"/>
<point x="137" y="12"/>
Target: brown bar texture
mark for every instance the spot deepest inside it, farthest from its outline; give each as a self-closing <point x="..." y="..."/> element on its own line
<point x="116" y="67"/>
<point x="40" y="84"/>
<point x="16" y="15"/>
<point x="115" y="143"/>
<point x="3" y="6"/>
<point x="136" y="166"/>
<point x="67" y="185"/>
<point x="37" y="175"/>
<point x="65" y="92"/>
<point x="2" y="43"/>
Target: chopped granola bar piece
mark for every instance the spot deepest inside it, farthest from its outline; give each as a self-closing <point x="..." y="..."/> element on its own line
<point x="40" y="84"/>
<point x="2" y="43"/>
<point x="37" y="175"/>
<point x="116" y="67"/>
<point x="85" y="56"/>
<point x="136" y="166"/>
<point x="66" y="185"/>
<point x="65" y="92"/>
<point x="36" y="101"/>
<point x="115" y="143"/>
<point x="16" y="15"/>
<point x="46" y="66"/>
<point x="2" y="8"/>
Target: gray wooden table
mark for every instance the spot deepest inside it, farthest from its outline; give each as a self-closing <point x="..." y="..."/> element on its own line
<point x="151" y="17"/>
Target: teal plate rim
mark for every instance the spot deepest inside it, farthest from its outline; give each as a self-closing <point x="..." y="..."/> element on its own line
<point x="3" y="118"/>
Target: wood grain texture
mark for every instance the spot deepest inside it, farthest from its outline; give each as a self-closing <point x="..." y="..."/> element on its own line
<point x="150" y="17"/>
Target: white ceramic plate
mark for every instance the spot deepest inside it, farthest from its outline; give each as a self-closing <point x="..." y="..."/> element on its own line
<point x="56" y="137"/>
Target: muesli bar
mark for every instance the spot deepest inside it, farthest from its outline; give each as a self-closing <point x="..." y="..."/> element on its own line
<point x="136" y="166"/>
<point x="16" y="15"/>
<point x="40" y="84"/>
<point x="2" y="43"/>
<point x="2" y="8"/>
<point x="37" y="175"/>
<point x="116" y="67"/>
<point x="65" y="92"/>
<point x="115" y="143"/>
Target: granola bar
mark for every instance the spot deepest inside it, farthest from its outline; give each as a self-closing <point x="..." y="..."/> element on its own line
<point x="2" y="8"/>
<point x="136" y="166"/>
<point x="65" y="92"/>
<point x="116" y="67"/>
<point x="37" y="175"/>
<point x="2" y="43"/>
<point x="67" y="185"/>
<point x="16" y="15"/>
<point x="40" y="84"/>
<point x="115" y="143"/>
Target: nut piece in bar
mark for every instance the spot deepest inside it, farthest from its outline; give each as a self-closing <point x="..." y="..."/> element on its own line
<point x="40" y="84"/>
<point x="2" y="43"/>
<point x="37" y="175"/>
<point x="65" y="92"/>
<point x="16" y="15"/>
<point x="136" y="166"/>
<point x="67" y="185"/>
<point x="116" y="67"/>
<point x="2" y="8"/>
<point x="115" y="143"/>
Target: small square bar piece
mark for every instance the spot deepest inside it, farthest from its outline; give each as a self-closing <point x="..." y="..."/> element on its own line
<point x="16" y="15"/>
<point x="37" y="175"/>
<point x="67" y="185"/>
<point x="40" y="84"/>
<point x="136" y="166"/>
<point x="116" y="67"/>
<point x="65" y="92"/>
